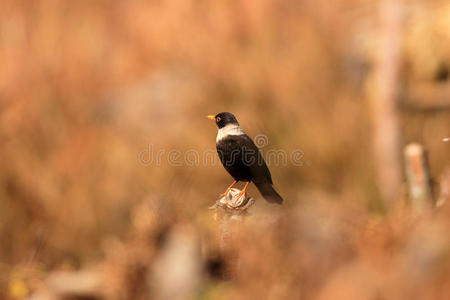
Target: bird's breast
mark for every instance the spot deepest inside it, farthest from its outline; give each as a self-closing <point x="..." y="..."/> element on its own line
<point x="231" y="129"/>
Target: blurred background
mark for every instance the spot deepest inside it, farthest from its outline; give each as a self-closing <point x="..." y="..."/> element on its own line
<point x="92" y="91"/>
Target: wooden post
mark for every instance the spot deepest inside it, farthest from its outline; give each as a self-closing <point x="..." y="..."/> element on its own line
<point x="418" y="177"/>
<point x="383" y="90"/>
<point x="444" y="181"/>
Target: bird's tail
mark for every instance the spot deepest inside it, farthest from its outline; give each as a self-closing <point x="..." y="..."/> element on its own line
<point x="268" y="192"/>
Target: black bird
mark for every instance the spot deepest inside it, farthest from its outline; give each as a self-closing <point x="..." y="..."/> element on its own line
<point x="241" y="158"/>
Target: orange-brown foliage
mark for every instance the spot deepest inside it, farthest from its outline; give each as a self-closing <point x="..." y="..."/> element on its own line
<point x="87" y="86"/>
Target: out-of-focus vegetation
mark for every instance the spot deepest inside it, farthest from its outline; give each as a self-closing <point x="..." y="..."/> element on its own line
<point x="89" y="87"/>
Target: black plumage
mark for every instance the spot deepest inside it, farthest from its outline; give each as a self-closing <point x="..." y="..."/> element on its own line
<point x="241" y="157"/>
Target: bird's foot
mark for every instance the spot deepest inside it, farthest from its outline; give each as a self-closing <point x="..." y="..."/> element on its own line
<point x="240" y="194"/>
<point x="228" y="190"/>
<point x="234" y="200"/>
<point x="224" y="194"/>
<point x="231" y="195"/>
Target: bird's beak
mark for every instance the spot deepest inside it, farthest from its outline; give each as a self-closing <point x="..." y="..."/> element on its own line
<point x="211" y="117"/>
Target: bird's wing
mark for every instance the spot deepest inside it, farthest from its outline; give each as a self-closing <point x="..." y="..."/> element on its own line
<point x="255" y="160"/>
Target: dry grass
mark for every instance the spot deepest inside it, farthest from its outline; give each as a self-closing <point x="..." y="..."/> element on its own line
<point x="85" y="86"/>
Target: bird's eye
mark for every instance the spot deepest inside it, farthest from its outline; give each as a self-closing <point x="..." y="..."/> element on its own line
<point x="218" y="119"/>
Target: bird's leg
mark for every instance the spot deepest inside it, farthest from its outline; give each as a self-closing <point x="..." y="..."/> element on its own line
<point x="228" y="189"/>
<point x="244" y="189"/>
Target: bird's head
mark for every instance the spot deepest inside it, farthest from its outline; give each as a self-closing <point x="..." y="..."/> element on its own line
<point x="223" y="119"/>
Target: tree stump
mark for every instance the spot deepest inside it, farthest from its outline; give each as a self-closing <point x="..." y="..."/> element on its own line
<point x="229" y="213"/>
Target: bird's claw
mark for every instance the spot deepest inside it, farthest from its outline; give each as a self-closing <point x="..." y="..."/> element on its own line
<point x="234" y="200"/>
<point x="223" y="194"/>
<point x="240" y="194"/>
